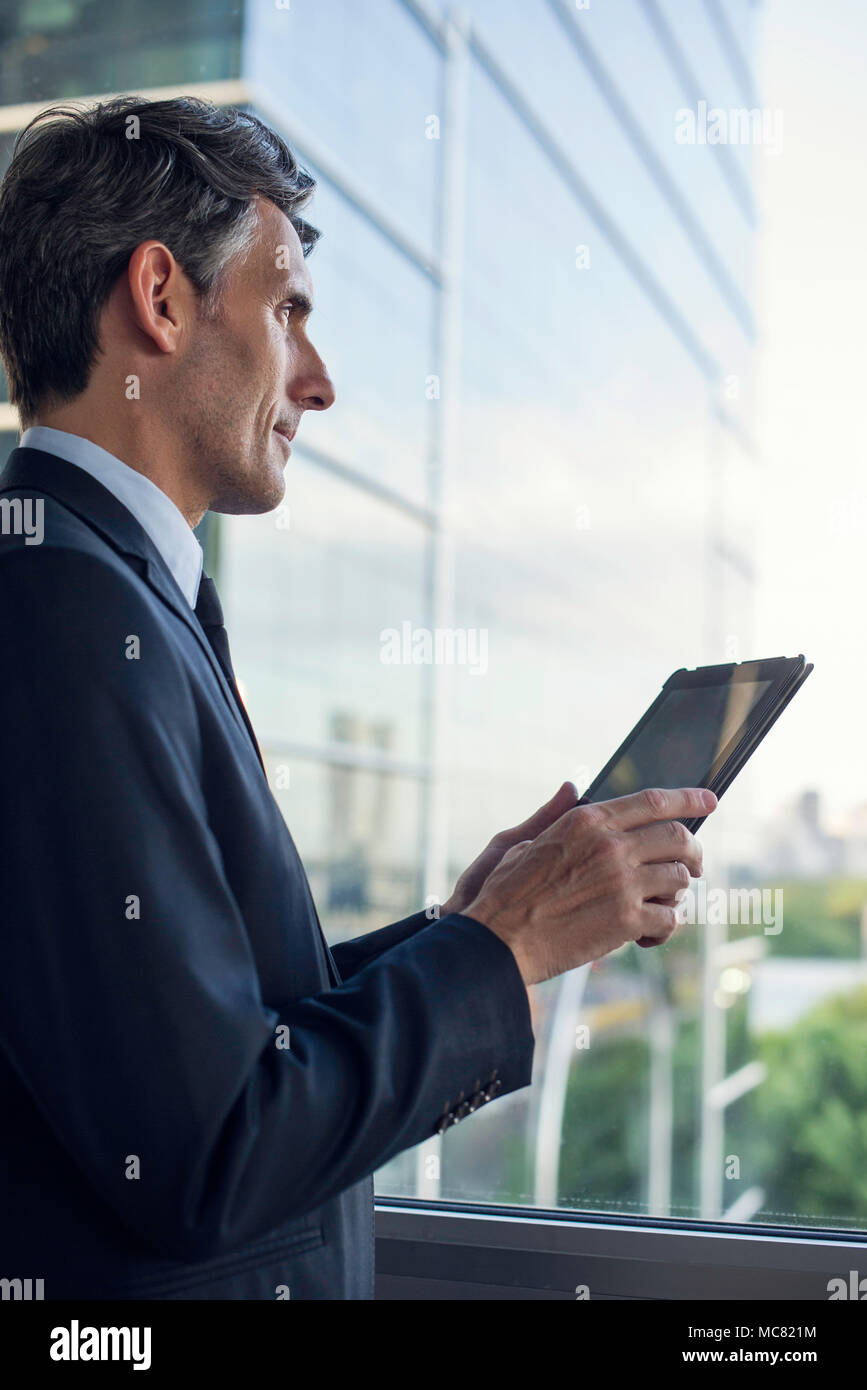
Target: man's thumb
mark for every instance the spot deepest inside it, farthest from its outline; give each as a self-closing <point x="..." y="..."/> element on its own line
<point x="515" y="852"/>
<point x="563" y="800"/>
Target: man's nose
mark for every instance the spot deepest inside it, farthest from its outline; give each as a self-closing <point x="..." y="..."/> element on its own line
<point x="314" y="390"/>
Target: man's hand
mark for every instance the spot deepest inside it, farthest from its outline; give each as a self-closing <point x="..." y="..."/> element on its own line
<point x="472" y="880"/>
<point x="599" y="875"/>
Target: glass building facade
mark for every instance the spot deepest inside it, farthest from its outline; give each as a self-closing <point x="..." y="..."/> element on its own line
<point x="536" y="304"/>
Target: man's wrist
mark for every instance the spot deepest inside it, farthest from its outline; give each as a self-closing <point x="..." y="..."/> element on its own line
<point x="486" y="914"/>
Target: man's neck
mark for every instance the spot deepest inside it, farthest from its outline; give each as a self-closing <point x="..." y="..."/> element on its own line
<point x="153" y="458"/>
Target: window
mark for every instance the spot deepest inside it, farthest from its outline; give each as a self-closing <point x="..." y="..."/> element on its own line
<point x="539" y="312"/>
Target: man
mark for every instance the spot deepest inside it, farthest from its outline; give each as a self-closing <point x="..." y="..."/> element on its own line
<point x="195" y="1091"/>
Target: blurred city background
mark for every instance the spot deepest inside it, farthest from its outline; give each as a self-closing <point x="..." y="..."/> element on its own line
<point x="599" y="378"/>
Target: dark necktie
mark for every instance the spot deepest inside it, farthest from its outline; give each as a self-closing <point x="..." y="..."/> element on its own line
<point x="209" y="612"/>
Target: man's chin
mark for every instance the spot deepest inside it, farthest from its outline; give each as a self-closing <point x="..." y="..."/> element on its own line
<point x="252" y="495"/>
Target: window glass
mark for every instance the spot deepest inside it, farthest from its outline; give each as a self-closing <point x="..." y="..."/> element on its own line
<point x="605" y="517"/>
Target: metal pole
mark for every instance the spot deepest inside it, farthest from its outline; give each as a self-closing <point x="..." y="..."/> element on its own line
<point x="554" y="1084"/>
<point x="453" y="133"/>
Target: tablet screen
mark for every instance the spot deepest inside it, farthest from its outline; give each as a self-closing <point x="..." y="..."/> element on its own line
<point x="679" y="744"/>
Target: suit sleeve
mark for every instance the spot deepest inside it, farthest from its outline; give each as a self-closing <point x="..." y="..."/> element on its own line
<point x="352" y="956"/>
<point x="130" y="1004"/>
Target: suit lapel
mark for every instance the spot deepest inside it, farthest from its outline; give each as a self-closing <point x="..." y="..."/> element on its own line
<point x="33" y="470"/>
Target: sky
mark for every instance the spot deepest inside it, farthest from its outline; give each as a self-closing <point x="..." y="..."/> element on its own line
<point x="812" y="308"/>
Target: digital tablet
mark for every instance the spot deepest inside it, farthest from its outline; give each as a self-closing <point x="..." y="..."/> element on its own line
<point x="702" y="728"/>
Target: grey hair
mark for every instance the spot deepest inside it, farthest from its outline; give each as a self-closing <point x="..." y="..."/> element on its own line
<point x="87" y="184"/>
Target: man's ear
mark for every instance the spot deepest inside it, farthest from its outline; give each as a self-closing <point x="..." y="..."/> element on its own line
<point x="162" y="295"/>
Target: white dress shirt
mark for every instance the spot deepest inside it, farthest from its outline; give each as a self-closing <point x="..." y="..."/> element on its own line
<point x="153" y="509"/>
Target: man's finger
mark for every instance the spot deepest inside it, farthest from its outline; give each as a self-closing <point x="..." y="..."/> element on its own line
<point x="563" y="800"/>
<point x="659" y="919"/>
<point x="656" y="804"/>
<point x="660" y="881"/>
<point x="664" y="842"/>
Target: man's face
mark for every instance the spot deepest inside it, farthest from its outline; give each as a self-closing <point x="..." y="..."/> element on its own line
<point x="251" y="372"/>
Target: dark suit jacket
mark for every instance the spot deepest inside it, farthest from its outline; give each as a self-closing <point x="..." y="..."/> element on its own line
<point x="159" y="937"/>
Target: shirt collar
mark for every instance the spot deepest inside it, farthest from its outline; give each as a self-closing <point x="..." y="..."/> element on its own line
<point x="153" y="509"/>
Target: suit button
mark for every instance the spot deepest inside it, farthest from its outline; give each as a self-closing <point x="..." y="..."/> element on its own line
<point x="462" y="1112"/>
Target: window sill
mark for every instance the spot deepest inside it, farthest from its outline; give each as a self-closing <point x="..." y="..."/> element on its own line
<point x="430" y="1251"/>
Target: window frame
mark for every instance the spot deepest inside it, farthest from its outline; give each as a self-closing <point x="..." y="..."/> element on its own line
<point x="438" y="1251"/>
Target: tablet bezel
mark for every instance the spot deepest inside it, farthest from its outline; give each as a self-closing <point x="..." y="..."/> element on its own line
<point x="787" y="674"/>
